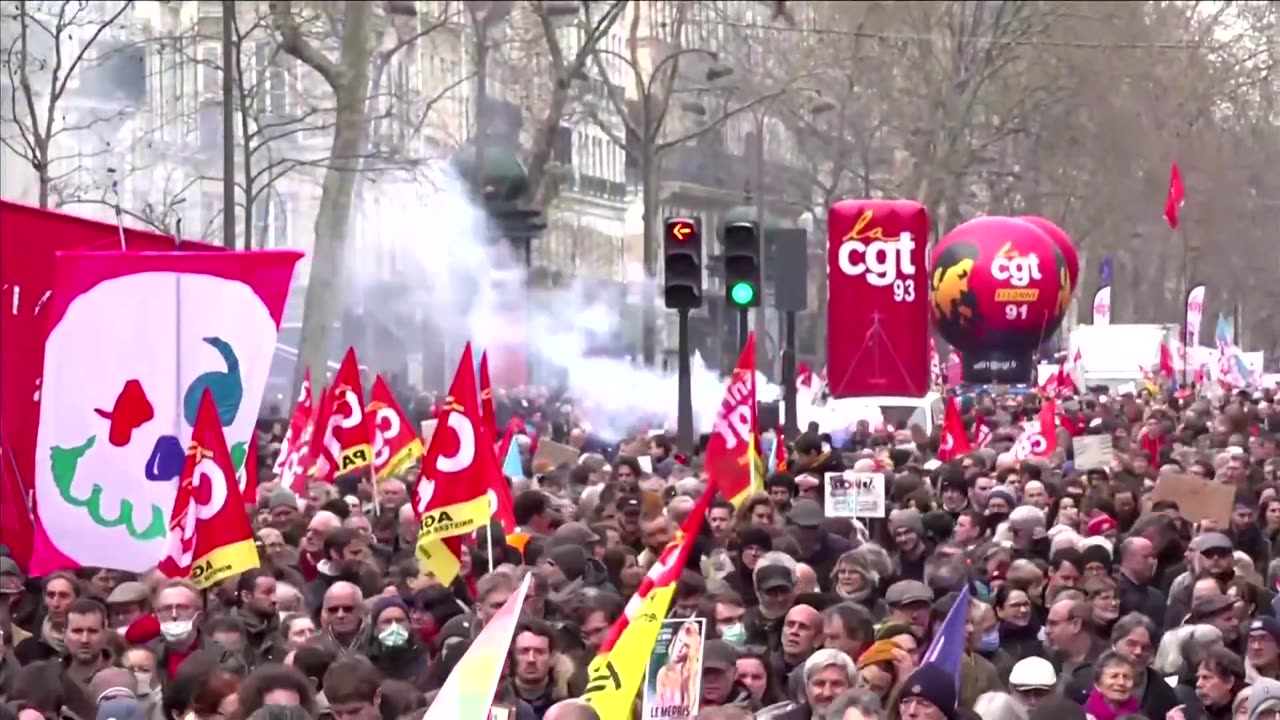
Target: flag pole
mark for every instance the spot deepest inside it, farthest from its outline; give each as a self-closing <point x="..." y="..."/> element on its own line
<point x="488" y="534"/>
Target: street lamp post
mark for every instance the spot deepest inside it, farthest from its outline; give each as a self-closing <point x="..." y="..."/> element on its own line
<point x="650" y="165"/>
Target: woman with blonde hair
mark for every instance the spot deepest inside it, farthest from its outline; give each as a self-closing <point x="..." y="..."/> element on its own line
<point x="678" y="680"/>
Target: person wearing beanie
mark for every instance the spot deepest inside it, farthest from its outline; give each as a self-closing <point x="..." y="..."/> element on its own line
<point x="1097" y="559"/>
<point x="929" y="693"/>
<point x="393" y="647"/>
<point x="1264" y="698"/>
<point x="1102" y="525"/>
<point x="907" y="528"/>
<point x="1263" y="648"/>
<point x="753" y="543"/>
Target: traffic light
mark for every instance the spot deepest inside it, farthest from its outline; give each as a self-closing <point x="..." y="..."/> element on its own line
<point x="682" y="263"/>
<point x="742" y="265"/>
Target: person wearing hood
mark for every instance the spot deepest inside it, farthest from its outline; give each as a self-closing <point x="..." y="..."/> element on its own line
<point x="853" y="580"/>
<point x="819" y="549"/>
<point x="753" y="544"/>
<point x="392" y="646"/>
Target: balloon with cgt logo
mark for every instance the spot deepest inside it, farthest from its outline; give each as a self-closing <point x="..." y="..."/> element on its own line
<point x="998" y="287"/>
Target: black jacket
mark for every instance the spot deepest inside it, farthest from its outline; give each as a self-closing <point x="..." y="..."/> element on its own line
<point x="1142" y="599"/>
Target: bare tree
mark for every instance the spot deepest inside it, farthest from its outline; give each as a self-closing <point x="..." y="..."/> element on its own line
<point x="650" y="129"/>
<point x="48" y="46"/>
<point x="352" y="68"/>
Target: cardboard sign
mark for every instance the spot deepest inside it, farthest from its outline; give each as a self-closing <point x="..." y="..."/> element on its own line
<point x="852" y="494"/>
<point x="1197" y="499"/>
<point x="1092" y="452"/>
<point x="556" y="453"/>
<point x="636" y="449"/>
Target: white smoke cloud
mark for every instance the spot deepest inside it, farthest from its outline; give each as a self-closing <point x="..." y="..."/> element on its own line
<point x="471" y="286"/>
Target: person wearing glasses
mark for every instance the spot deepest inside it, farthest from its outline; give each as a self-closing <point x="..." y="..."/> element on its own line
<point x="342" y="614"/>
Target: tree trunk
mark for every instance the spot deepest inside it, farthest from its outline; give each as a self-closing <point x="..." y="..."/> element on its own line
<point x="324" y="285"/>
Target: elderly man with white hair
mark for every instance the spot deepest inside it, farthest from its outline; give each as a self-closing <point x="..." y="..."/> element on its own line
<point x="828" y="674"/>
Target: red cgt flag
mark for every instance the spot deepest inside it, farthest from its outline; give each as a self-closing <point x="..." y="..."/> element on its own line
<point x="486" y="397"/>
<point x="209" y="535"/>
<point x="453" y="496"/>
<point x="297" y="424"/>
<point x="728" y="456"/>
<point x="395" y="444"/>
<point x="954" y="441"/>
<point x="345" y="442"/>
<point x="1176" y="195"/>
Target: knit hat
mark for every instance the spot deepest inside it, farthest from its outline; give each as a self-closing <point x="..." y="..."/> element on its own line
<point x="282" y="498"/>
<point x="1101" y="524"/>
<point x="571" y="559"/>
<point x="909" y="519"/>
<point x="1264" y="695"/>
<point x="1268" y="625"/>
<point x="880" y="651"/>
<point x="1003" y="494"/>
<point x="120" y="709"/>
<point x="934" y="685"/>
<point x="759" y="537"/>
<point x="938" y="524"/>
<point x="383" y="604"/>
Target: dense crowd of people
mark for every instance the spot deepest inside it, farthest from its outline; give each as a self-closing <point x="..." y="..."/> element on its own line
<point x="1087" y="596"/>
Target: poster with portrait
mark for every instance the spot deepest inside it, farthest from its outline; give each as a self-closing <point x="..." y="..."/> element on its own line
<point x="674" y="676"/>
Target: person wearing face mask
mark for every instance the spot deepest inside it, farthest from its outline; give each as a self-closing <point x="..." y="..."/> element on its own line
<point x="142" y="663"/>
<point x="395" y="650"/>
<point x="178" y="608"/>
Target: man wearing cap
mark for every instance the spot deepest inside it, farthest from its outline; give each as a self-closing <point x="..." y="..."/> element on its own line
<point x="12" y="581"/>
<point x="1032" y="681"/>
<point x="1219" y="611"/>
<point x="127" y="602"/>
<point x="819" y="549"/>
<point x="1213" y="557"/>
<point x="910" y="603"/>
<point x="719" y="676"/>
<point x="1263" y="648"/>
<point x="775" y="585"/>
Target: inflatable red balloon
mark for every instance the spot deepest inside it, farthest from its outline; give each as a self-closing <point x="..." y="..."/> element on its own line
<point x="998" y="287"/>
<point x="1063" y="241"/>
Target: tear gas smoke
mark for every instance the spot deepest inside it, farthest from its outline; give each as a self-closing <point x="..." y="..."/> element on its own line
<point x="472" y="289"/>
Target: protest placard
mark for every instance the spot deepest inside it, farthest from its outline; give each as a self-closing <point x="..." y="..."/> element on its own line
<point x="1092" y="451"/>
<point x="673" y="680"/>
<point x="854" y="494"/>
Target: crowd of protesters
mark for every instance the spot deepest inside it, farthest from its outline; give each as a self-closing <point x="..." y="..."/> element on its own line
<point x="1087" y="597"/>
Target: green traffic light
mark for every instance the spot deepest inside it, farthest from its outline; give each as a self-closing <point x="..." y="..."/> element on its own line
<point x="742" y="293"/>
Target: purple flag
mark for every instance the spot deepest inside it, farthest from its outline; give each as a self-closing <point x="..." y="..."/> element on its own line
<point x="947" y="649"/>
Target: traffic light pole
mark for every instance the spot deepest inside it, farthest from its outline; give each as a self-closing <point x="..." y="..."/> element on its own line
<point x="790" y="423"/>
<point x="684" y="387"/>
<point x="743" y="327"/>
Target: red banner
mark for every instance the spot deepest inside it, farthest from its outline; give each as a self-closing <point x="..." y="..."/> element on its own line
<point x="878" y="314"/>
<point x="486" y="397"/>
<point x="953" y="443"/>
<point x="395" y="444"/>
<point x="30" y="239"/>
<point x="209" y="534"/>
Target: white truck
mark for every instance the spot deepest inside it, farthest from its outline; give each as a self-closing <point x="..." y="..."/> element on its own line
<point x="1116" y="355"/>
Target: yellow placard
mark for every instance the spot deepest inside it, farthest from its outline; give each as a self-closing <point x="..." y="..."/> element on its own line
<point x="354" y="458"/>
<point x="223" y="562"/>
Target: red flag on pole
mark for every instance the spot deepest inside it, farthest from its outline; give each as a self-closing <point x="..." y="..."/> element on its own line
<point x="1176" y="194"/>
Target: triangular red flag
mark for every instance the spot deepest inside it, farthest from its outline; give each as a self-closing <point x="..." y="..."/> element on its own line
<point x="209" y="534"/>
<point x="728" y="455"/>
<point x="1176" y="194"/>
<point x="486" y="397"/>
